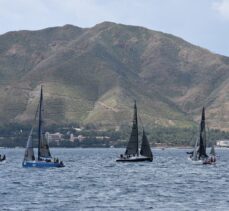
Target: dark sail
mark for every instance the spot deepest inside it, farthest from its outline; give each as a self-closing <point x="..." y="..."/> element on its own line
<point x="145" y="147"/>
<point x="29" y="153"/>
<point x="43" y="148"/>
<point x="132" y="146"/>
<point x="202" y="141"/>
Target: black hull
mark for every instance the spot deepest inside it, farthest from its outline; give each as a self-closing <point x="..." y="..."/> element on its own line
<point x="4" y="158"/>
<point x="134" y="159"/>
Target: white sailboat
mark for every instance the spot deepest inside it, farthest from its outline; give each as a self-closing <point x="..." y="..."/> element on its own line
<point x="198" y="155"/>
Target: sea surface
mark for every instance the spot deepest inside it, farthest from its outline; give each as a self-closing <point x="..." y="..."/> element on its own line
<point x="92" y="180"/>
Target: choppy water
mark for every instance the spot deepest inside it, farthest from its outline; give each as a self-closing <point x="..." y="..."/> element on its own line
<point x="92" y="180"/>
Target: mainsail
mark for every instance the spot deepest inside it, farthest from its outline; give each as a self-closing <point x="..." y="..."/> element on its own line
<point x="132" y="146"/>
<point x="194" y="157"/>
<point x="29" y="153"/>
<point x="145" y="147"/>
<point x="212" y="152"/>
<point x="202" y="141"/>
<point x="43" y="148"/>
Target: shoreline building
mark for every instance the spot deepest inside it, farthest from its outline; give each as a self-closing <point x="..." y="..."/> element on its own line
<point x="222" y="143"/>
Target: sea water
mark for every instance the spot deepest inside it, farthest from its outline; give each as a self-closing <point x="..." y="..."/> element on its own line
<point x="92" y="180"/>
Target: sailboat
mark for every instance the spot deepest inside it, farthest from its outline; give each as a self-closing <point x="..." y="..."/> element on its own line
<point x="132" y="153"/>
<point x="2" y="158"/>
<point x="199" y="155"/>
<point x="44" y="158"/>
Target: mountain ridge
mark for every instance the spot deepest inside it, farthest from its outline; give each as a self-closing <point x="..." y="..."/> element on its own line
<point x="92" y="75"/>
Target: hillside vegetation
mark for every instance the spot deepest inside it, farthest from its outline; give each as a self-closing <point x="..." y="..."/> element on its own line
<point x="93" y="75"/>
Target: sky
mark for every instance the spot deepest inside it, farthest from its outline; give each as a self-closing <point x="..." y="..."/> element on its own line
<point x="202" y="22"/>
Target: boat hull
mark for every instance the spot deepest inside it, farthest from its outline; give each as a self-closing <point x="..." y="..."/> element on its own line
<point x="134" y="159"/>
<point x="202" y="162"/>
<point x="197" y="162"/>
<point x="41" y="164"/>
<point x="3" y="159"/>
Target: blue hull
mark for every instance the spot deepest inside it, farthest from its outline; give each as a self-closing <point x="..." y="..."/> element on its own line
<point x="41" y="164"/>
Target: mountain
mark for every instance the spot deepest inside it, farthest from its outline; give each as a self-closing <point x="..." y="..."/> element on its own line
<point x="93" y="75"/>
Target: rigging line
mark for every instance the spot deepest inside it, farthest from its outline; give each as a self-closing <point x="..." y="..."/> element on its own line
<point x="193" y="134"/>
<point x="35" y="116"/>
<point x="197" y="139"/>
<point x="141" y="121"/>
<point x="198" y="133"/>
<point x="208" y="137"/>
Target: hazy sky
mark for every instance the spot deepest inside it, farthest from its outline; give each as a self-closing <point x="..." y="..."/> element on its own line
<point x="201" y="22"/>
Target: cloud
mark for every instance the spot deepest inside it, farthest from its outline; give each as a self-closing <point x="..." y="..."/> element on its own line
<point x="222" y="7"/>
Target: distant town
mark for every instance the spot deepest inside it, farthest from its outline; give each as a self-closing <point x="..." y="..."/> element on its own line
<point x="75" y="135"/>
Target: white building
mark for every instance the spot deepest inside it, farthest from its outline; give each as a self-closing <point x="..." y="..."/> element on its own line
<point x="53" y="137"/>
<point x="222" y="143"/>
<point x="79" y="137"/>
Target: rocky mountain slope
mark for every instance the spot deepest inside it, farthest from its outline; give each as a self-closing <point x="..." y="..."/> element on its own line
<point x="92" y="75"/>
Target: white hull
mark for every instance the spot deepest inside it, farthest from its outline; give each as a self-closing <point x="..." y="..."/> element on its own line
<point x="196" y="162"/>
<point x="201" y="162"/>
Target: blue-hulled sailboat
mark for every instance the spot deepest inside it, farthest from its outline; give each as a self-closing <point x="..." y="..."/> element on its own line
<point x="44" y="158"/>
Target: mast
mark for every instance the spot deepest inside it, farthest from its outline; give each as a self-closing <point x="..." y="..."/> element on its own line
<point x="40" y="124"/>
<point x="132" y="146"/>
<point x="203" y="128"/>
<point x="136" y="122"/>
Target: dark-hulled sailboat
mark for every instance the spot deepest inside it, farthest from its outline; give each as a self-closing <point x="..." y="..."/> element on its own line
<point x="2" y="158"/>
<point x="44" y="158"/>
<point x="199" y="154"/>
<point x="132" y="153"/>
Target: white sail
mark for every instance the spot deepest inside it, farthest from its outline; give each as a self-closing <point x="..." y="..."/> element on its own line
<point x="212" y="152"/>
<point x="29" y="153"/>
<point x="195" y="150"/>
